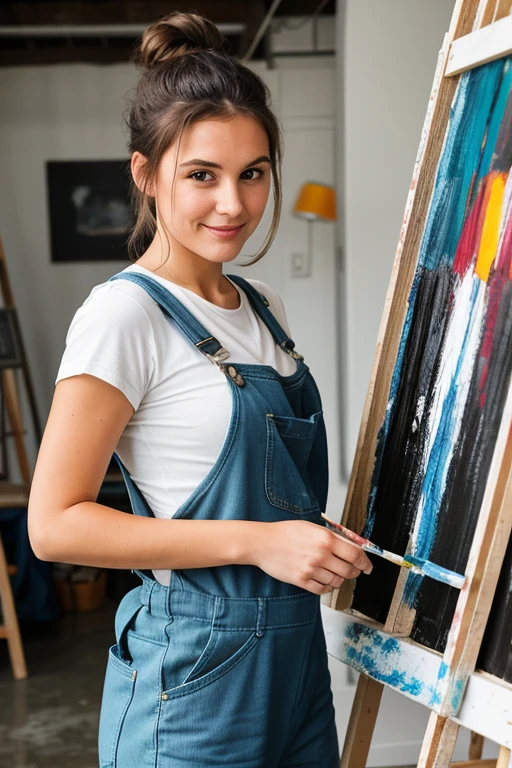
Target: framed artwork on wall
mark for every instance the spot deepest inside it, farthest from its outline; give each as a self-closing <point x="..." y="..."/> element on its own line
<point x="89" y="209"/>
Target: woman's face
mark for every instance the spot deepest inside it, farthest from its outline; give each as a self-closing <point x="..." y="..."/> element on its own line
<point x="221" y="189"/>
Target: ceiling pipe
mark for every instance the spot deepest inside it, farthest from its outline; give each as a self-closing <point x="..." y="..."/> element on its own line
<point x="94" y="30"/>
<point x="261" y="31"/>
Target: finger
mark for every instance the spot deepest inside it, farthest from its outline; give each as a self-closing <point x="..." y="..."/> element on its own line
<point x="332" y="576"/>
<point x="317" y="588"/>
<point x="341" y="567"/>
<point x="346" y="550"/>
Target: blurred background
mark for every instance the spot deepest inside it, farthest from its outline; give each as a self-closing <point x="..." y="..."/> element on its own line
<point x="350" y="82"/>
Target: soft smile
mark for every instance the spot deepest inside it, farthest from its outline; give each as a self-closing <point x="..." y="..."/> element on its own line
<point x="226" y="233"/>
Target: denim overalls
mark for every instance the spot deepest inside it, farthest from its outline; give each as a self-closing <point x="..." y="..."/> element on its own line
<point x="227" y="666"/>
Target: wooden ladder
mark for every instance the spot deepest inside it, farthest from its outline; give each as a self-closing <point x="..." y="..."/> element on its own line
<point x="14" y="494"/>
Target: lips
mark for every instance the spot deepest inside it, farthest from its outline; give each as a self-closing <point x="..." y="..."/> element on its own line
<point x="225" y="232"/>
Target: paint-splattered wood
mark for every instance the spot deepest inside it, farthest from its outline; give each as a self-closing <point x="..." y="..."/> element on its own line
<point x="415" y="671"/>
<point x="395" y="308"/>
<point x="487" y="44"/>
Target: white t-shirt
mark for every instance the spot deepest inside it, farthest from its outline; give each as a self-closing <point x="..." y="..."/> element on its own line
<point x="181" y="399"/>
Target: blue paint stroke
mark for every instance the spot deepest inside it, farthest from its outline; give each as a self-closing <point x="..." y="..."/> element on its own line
<point x="437" y="466"/>
<point x="435" y="697"/>
<point x="458" y="163"/>
<point x="457" y="695"/>
<point x="374" y="652"/>
<point x="436" y="572"/>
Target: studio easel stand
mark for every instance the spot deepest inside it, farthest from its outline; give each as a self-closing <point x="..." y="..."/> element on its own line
<point x="11" y="494"/>
<point x="384" y="654"/>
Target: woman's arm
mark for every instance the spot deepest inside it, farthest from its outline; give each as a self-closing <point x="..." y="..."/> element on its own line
<point x="65" y="523"/>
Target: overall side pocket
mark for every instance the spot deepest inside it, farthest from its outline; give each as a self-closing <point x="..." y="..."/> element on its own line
<point x="119" y="683"/>
<point x="118" y="692"/>
<point x="289" y="442"/>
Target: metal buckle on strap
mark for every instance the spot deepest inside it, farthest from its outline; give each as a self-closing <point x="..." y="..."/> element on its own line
<point x="291" y="352"/>
<point x="219" y="356"/>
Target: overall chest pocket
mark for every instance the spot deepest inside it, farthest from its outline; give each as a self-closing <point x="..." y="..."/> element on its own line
<point x="289" y="443"/>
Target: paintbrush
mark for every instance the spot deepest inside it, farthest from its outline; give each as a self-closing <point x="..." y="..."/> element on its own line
<point x="415" y="564"/>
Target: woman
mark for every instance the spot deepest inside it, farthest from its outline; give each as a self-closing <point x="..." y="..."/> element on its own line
<point x="192" y="377"/>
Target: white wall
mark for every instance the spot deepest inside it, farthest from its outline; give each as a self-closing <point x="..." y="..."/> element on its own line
<point x="386" y="71"/>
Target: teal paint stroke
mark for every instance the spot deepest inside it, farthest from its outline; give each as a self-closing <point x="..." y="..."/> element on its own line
<point x="374" y="654"/>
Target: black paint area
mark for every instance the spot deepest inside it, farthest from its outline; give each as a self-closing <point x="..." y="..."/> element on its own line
<point x="399" y="482"/>
<point x="467" y="477"/>
<point x="496" y="651"/>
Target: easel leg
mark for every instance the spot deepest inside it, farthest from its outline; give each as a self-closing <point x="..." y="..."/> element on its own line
<point x="438" y="743"/>
<point x="362" y="722"/>
<point x="10" y="629"/>
<point x="504" y="760"/>
<point x="476" y="746"/>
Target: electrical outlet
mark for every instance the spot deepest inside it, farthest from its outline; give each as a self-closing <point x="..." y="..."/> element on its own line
<point x="300" y="264"/>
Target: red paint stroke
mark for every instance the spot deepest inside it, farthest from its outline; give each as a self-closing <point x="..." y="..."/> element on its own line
<point x="469" y="240"/>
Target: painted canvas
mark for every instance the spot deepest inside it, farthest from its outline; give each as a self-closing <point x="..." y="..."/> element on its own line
<point x="453" y="367"/>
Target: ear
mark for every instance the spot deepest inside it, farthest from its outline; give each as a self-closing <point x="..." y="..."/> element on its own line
<point x="138" y="162"/>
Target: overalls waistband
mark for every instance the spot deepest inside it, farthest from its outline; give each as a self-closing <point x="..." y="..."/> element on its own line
<point x="259" y="613"/>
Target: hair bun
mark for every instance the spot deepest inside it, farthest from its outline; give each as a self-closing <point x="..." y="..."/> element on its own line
<point x="176" y="34"/>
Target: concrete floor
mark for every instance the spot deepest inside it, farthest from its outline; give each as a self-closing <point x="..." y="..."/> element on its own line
<point x="50" y="720"/>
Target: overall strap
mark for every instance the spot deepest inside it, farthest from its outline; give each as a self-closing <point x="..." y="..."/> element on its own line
<point x="185" y="320"/>
<point x="138" y="502"/>
<point x="260" y="305"/>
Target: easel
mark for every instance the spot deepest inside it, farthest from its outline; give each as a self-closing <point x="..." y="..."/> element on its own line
<point x="11" y="494"/>
<point x="384" y="654"/>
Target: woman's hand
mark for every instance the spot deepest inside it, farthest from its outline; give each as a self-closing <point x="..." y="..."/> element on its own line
<point x="308" y="555"/>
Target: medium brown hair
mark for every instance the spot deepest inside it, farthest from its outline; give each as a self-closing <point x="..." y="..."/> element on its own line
<point x="188" y="76"/>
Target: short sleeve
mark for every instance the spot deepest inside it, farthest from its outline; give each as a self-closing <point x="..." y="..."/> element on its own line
<point x="111" y="337"/>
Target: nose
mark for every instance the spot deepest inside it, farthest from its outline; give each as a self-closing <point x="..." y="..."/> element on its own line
<point x="229" y="200"/>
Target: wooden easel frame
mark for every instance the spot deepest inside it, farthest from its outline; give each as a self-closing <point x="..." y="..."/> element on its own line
<point x="480" y="31"/>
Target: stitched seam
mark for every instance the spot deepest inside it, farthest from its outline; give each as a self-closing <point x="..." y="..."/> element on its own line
<point x="273" y="499"/>
<point x="174" y="693"/>
<point x="207" y="650"/>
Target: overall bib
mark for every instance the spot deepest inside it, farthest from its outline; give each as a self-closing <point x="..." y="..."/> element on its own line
<point x="227" y="666"/>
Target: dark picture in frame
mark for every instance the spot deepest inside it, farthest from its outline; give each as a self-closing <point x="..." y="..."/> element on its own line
<point x="89" y="209"/>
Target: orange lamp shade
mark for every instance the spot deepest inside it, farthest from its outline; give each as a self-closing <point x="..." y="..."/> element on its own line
<point x="316" y="201"/>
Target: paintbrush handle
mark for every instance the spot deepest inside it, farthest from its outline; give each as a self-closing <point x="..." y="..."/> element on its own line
<point x="416" y="565"/>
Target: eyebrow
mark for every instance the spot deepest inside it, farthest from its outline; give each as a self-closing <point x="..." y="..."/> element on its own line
<point x="209" y="164"/>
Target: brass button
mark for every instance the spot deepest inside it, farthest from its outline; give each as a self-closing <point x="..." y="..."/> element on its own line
<point x="164" y="697"/>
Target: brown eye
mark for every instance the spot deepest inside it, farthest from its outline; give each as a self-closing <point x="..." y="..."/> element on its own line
<point x="199" y="173"/>
<point x="259" y="171"/>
